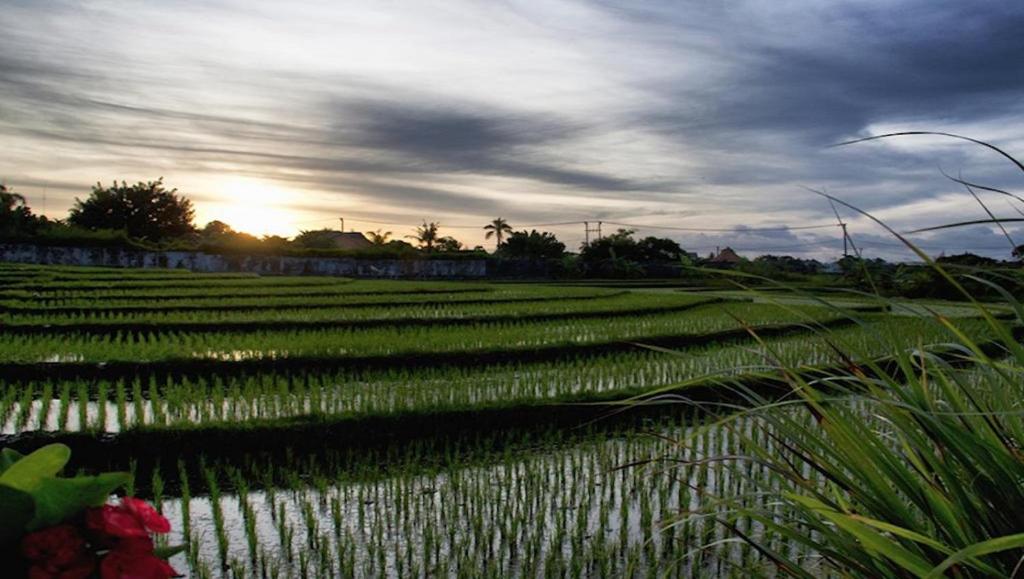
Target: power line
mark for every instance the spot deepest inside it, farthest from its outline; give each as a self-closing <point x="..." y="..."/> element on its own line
<point x="736" y="229"/>
<point x="589" y="228"/>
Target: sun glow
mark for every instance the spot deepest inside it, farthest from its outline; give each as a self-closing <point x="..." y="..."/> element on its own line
<point x="253" y="206"/>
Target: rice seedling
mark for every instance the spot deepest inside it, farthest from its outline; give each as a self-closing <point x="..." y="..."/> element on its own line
<point x="475" y="495"/>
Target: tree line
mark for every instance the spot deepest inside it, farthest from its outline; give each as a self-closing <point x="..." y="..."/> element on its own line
<point x="150" y="216"/>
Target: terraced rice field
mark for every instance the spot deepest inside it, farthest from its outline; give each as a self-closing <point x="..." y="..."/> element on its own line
<point x="325" y="427"/>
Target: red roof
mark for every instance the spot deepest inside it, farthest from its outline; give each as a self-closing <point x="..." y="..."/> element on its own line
<point x="727" y="255"/>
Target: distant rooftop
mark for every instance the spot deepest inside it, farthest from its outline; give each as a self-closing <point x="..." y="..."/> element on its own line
<point x="350" y="240"/>
<point x="727" y="255"/>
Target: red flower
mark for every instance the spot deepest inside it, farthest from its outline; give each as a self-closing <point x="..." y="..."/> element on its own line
<point x="134" y="559"/>
<point x="57" y="553"/>
<point x="81" y="569"/>
<point x="116" y="522"/>
<point x="151" y="519"/>
<point x="132" y="519"/>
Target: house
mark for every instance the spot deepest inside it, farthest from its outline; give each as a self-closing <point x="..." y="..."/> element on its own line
<point x="726" y="257"/>
<point x="349" y="240"/>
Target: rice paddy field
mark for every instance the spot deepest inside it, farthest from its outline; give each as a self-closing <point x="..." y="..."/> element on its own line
<point x="327" y="427"/>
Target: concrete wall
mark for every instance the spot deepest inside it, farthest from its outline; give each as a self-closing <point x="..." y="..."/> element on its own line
<point x="263" y="264"/>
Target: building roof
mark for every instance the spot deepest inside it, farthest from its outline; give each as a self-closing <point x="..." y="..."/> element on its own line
<point x="727" y="255"/>
<point x="350" y="240"/>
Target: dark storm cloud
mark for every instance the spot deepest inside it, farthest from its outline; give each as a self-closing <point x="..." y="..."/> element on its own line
<point x="786" y="95"/>
<point x="445" y="139"/>
<point x="864" y="65"/>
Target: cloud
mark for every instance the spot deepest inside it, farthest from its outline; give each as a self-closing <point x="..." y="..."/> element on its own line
<point x="464" y="140"/>
<point x="653" y="112"/>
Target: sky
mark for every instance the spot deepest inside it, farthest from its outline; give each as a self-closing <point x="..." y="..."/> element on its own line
<point x="707" y="122"/>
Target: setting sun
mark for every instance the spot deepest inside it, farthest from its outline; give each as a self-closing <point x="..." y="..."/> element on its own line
<point x="251" y="206"/>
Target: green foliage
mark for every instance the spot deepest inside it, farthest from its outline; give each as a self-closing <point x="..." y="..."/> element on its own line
<point x="317" y="239"/>
<point x="905" y="466"/>
<point x="910" y="456"/>
<point x="56" y="233"/>
<point x="448" y="244"/>
<point x="619" y="255"/>
<point x="531" y="245"/>
<point x="780" y="267"/>
<point x="57" y="499"/>
<point x="32" y="496"/>
<point x="145" y="211"/>
<point x="17" y="508"/>
<point x="497" y="229"/>
<point x="16" y="219"/>
<point x="530" y="506"/>
<point x="379" y="237"/>
<point x="427" y="236"/>
<point x="970" y="272"/>
<point x="218" y="236"/>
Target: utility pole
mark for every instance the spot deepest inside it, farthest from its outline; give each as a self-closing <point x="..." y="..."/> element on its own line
<point x="842" y="224"/>
<point x="587" y="230"/>
<point x="342" y="219"/>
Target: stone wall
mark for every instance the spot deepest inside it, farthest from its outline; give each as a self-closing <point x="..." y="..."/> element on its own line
<point x="262" y="264"/>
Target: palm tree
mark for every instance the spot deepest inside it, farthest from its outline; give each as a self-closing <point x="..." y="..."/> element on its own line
<point x="378" y="238"/>
<point x="15" y="216"/>
<point x="497" y="229"/>
<point x="10" y="201"/>
<point x="427" y="235"/>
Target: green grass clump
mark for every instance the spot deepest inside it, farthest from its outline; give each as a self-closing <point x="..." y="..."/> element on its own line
<point x="908" y="467"/>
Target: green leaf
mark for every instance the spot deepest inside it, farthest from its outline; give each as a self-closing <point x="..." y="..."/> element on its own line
<point x="27" y="473"/>
<point x="16" y="509"/>
<point x="168" y="552"/>
<point x="58" y="499"/>
<point x="983" y="548"/>
<point x="870" y="540"/>
<point x="901" y="532"/>
<point x="9" y="456"/>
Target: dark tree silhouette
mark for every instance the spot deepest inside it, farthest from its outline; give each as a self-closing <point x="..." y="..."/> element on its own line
<point x="532" y="245"/>
<point x="658" y="249"/>
<point x="317" y="239"/>
<point x="220" y="234"/>
<point x="379" y="237"/>
<point x="622" y="245"/>
<point x="497" y="229"/>
<point x="16" y="218"/>
<point x="145" y="211"/>
<point x="215" y="230"/>
<point x="275" y="243"/>
<point x="449" y="243"/>
<point x="427" y="235"/>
